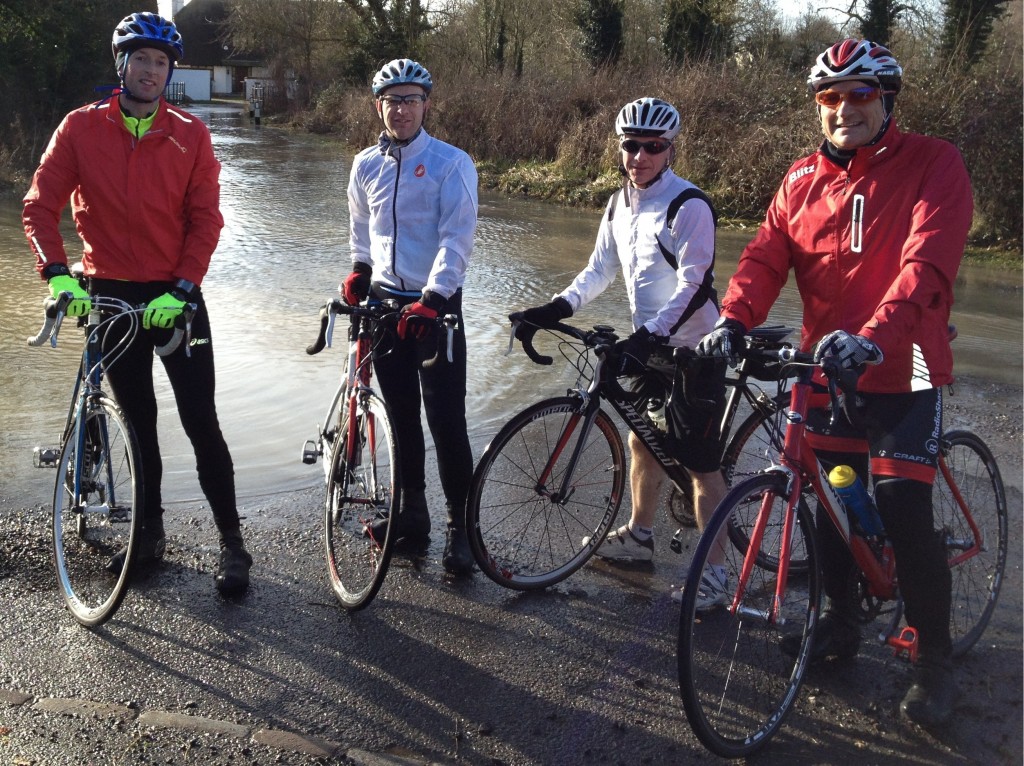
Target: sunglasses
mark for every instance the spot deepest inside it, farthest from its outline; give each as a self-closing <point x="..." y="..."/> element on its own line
<point x="392" y="99"/>
<point x="657" y="146"/>
<point x="855" y="97"/>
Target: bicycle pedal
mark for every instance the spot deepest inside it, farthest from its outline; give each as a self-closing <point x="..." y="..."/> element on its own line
<point x="676" y="543"/>
<point x="45" y="457"/>
<point x="904" y="643"/>
<point x="310" y="453"/>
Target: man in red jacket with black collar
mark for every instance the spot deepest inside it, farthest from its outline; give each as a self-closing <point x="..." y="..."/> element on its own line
<point x="873" y="225"/>
<point x="145" y="196"/>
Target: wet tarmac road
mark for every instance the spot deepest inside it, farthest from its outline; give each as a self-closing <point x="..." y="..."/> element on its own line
<point x="435" y="670"/>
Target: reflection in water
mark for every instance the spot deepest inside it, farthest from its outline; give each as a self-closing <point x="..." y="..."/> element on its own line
<point x="283" y="251"/>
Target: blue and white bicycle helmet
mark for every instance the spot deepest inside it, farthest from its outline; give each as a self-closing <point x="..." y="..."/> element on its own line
<point x="648" y="117"/>
<point x="401" y="72"/>
<point x="147" y="30"/>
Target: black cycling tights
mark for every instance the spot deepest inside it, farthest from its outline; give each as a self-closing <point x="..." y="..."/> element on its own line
<point x="191" y="374"/>
<point x="400" y="378"/>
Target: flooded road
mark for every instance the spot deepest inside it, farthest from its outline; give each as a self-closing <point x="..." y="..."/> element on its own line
<point x="282" y="253"/>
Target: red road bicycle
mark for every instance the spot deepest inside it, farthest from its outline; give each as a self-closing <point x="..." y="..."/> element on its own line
<point x="736" y="682"/>
<point x="357" y="444"/>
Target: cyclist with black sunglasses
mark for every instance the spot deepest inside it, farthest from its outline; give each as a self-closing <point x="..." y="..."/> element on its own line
<point x="874" y="225"/>
<point x="659" y="229"/>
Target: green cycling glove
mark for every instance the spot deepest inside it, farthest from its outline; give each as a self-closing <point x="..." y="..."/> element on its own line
<point x="162" y="311"/>
<point x="80" y="303"/>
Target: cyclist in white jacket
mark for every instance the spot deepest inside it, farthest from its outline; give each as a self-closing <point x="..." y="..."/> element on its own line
<point x="413" y="209"/>
<point x="659" y="230"/>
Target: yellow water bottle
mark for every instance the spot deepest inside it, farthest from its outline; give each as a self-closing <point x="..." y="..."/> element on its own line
<point x="855" y="497"/>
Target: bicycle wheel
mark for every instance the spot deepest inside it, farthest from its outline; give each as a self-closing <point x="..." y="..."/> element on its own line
<point x="362" y="487"/>
<point x="736" y="682"/>
<point x="976" y="560"/>
<point x="751" y="450"/>
<point x="524" y="532"/>
<point x="97" y="493"/>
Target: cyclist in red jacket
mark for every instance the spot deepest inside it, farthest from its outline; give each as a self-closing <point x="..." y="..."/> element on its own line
<point x="145" y="196"/>
<point x="873" y="225"/>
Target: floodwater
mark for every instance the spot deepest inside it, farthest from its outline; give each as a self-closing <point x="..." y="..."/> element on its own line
<point x="283" y="251"/>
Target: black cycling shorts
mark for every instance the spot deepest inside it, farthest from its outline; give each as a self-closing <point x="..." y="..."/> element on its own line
<point x="693" y="391"/>
<point x="900" y="432"/>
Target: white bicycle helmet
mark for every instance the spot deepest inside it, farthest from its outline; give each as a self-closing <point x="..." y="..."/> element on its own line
<point x="400" y="72"/>
<point x="856" y="60"/>
<point x="650" y="117"/>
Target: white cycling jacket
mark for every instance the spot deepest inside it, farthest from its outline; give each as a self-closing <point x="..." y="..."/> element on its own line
<point x="413" y="213"/>
<point x="663" y="239"/>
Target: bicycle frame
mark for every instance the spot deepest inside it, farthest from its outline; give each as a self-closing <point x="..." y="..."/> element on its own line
<point x="600" y="388"/>
<point x="603" y="386"/>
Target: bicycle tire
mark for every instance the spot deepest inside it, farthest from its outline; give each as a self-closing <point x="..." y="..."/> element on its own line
<point x="737" y="684"/>
<point x="977" y="579"/>
<point x="362" y="487"/>
<point x="97" y="505"/>
<point x="521" y="537"/>
<point x="750" y="451"/>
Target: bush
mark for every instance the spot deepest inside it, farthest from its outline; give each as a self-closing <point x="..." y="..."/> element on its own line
<point x="742" y="128"/>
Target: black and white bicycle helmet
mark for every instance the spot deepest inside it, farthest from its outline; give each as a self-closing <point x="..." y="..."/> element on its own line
<point x="401" y="72"/>
<point x="649" y="117"/>
<point x="856" y="60"/>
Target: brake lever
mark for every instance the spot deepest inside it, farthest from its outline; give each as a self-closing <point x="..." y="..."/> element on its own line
<point x="512" y="338"/>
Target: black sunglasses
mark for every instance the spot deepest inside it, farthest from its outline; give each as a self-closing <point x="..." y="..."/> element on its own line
<point x="657" y="146"/>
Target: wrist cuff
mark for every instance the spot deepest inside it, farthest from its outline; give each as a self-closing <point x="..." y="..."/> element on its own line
<point x="433" y="301"/>
<point x="184" y="290"/>
<point x="55" y="270"/>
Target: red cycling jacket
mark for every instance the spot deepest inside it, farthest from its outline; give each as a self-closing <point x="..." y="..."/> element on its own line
<point x="147" y="210"/>
<point x="875" y="249"/>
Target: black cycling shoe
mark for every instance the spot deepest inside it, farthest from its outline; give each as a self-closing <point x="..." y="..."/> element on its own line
<point x="932" y="697"/>
<point x="232" y="578"/>
<point x="458" y="558"/>
<point x="149" y="550"/>
<point x="412" y="525"/>
<point x="834" y="638"/>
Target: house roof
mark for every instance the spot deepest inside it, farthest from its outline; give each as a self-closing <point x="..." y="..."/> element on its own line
<point x="202" y="24"/>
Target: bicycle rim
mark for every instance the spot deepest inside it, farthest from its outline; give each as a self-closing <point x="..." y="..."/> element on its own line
<point x="523" y="536"/>
<point x="362" y="488"/>
<point x="96" y="503"/>
<point x="737" y="683"/>
<point x="977" y="570"/>
<point x="750" y="451"/>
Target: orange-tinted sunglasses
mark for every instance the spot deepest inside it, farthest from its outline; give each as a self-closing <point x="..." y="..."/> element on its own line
<point x="856" y="97"/>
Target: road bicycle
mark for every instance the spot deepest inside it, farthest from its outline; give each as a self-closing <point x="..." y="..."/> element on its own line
<point x="98" y="494"/>
<point x="737" y="683"/>
<point x="356" y="443"/>
<point x="547" y="488"/>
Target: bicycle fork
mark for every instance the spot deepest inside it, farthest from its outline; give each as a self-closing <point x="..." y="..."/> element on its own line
<point x="578" y="423"/>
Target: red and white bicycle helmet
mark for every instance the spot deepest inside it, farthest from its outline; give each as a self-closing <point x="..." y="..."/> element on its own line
<point x="648" y="117"/>
<point x="400" y="72"/>
<point x="856" y="60"/>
